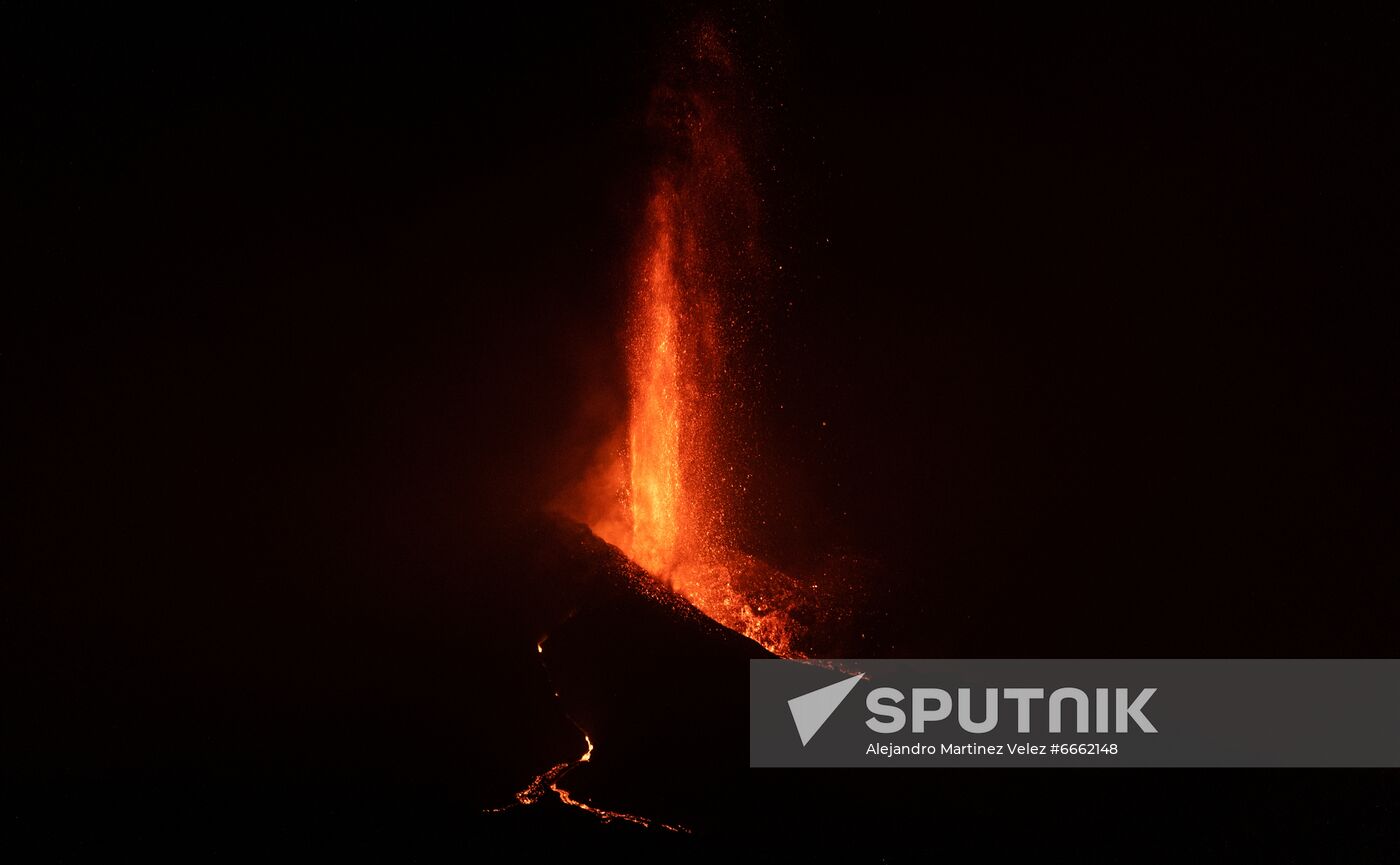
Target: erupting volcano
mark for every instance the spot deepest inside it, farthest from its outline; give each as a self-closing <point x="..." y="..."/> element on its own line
<point x="672" y="490"/>
<point x="670" y="498"/>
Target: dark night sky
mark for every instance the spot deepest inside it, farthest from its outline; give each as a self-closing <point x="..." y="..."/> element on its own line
<point x="1085" y="341"/>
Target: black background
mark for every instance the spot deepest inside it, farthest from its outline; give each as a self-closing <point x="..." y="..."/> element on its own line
<point x="1084" y="341"/>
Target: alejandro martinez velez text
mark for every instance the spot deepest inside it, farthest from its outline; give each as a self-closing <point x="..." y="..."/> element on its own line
<point x="922" y="750"/>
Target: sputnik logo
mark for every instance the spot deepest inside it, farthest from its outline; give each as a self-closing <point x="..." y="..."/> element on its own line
<point x="810" y="711"/>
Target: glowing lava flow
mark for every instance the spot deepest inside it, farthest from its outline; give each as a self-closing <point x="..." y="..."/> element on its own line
<point x="549" y="781"/>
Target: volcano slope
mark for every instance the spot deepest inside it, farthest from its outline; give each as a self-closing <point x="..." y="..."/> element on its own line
<point x="658" y="689"/>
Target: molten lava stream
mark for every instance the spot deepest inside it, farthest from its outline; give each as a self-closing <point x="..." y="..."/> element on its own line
<point x="549" y="780"/>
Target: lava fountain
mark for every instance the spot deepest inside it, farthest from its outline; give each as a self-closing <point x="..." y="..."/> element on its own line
<point x="676" y="486"/>
<point x="658" y="358"/>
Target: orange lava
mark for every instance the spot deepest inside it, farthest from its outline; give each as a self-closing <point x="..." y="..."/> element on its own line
<point x="549" y="781"/>
<point x="656" y="493"/>
<point x="698" y="255"/>
<point x="603" y="814"/>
